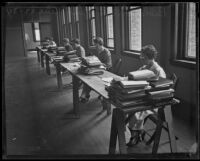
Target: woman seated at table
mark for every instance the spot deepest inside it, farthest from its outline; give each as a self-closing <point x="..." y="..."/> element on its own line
<point x="67" y="45"/>
<point x="104" y="56"/>
<point x="136" y="121"/>
<point x="78" y="49"/>
<point x="51" y="42"/>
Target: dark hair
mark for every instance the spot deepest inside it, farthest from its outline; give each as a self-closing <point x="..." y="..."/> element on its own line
<point x="98" y="40"/>
<point x="76" y="41"/>
<point x="51" y="38"/>
<point x="66" y="40"/>
<point x="150" y="51"/>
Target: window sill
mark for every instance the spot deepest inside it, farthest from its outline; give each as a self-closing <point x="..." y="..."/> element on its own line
<point x="184" y="63"/>
<point x="131" y="54"/>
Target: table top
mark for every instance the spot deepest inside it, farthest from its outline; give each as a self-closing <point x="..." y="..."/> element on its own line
<point x="93" y="81"/>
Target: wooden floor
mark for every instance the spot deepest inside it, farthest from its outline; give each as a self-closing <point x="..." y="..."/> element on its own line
<point x="38" y="116"/>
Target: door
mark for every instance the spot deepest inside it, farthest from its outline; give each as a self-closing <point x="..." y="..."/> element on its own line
<point x="45" y="30"/>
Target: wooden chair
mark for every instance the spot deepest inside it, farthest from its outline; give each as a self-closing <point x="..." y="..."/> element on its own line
<point x="117" y="66"/>
<point x="158" y="118"/>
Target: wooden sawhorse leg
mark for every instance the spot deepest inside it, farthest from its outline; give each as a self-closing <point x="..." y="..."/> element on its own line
<point x="117" y="130"/>
<point x="166" y="115"/>
<point x="58" y="75"/>
<point x="38" y="55"/>
<point x="47" y="65"/>
<point x="42" y="59"/>
<point x="76" y="82"/>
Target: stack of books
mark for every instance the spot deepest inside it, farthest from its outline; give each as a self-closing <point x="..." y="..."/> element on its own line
<point x="52" y="48"/>
<point x="161" y="90"/>
<point x="128" y="93"/>
<point x="58" y="58"/>
<point x="91" y="61"/>
<point x="61" y="51"/>
<point x="71" y="57"/>
<point x="145" y="74"/>
<point x="90" y="70"/>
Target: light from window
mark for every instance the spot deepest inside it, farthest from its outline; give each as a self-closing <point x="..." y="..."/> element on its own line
<point x="63" y="12"/>
<point x="191" y="31"/>
<point x="69" y="14"/>
<point x="76" y="8"/>
<point x="109" y="27"/>
<point x="93" y="28"/>
<point x="135" y="29"/>
<point x="37" y="35"/>
<point x="36" y="31"/>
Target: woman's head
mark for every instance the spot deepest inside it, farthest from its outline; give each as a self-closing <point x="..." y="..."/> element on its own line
<point x="66" y="41"/>
<point x="76" y="42"/>
<point x="148" y="54"/>
<point x="98" y="42"/>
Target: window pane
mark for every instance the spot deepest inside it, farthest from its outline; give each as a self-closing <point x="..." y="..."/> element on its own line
<point x="110" y="42"/>
<point x="192" y="31"/>
<point x="69" y="14"/>
<point x="93" y="27"/>
<point x="76" y="13"/>
<point x="92" y="13"/>
<point x="110" y="26"/>
<point x="36" y="25"/>
<point x="109" y="10"/>
<point x="63" y="16"/>
<point x="37" y="35"/>
<point x="135" y="29"/>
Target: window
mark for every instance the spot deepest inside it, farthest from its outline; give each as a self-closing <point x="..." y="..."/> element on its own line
<point x="92" y="25"/>
<point x="109" y="26"/>
<point x="76" y="17"/>
<point x="133" y="28"/>
<point x="191" y="23"/>
<point x="69" y="22"/>
<point x="64" y="24"/>
<point x="36" y="31"/>
<point x="184" y="41"/>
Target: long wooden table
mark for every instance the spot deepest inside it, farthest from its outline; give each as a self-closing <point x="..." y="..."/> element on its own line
<point x="48" y="56"/>
<point x="118" y="118"/>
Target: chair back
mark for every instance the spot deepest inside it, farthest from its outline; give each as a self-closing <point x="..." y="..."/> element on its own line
<point x="116" y="66"/>
<point x="175" y="80"/>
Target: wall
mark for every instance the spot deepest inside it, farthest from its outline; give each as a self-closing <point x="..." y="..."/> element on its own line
<point x="187" y="85"/>
<point x="14" y="44"/>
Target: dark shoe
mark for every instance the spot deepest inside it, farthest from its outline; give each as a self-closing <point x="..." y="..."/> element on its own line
<point x="133" y="141"/>
<point x="84" y="99"/>
<point x="138" y="137"/>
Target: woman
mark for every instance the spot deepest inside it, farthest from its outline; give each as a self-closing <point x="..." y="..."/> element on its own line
<point x="104" y="56"/>
<point x="136" y="121"/>
<point x="67" y="45"/>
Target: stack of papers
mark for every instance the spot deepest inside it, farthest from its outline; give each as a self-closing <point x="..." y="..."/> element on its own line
<point x="142" y="75"/>
<point x="129" y="84"/>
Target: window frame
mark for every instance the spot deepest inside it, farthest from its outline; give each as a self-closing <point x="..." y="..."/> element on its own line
<point x="179" y="18"/>
<point x="90" y="18"/>
<point x="105" y="16"/>
<point x="126" y="31"/>
<point x="33" y="31"/>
